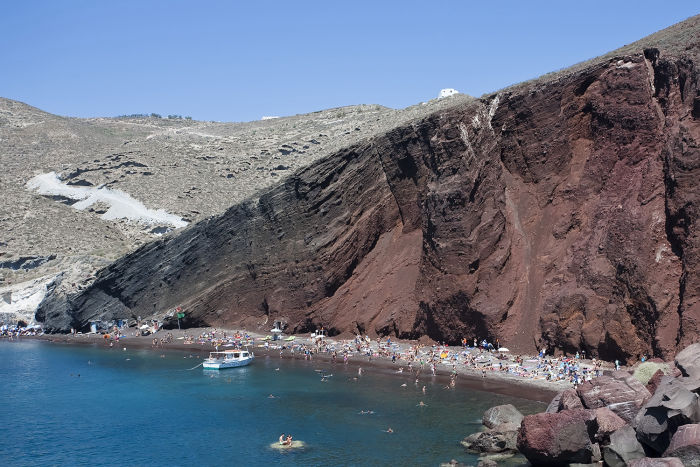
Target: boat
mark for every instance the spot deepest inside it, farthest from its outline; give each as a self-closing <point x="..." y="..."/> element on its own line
<point x="227" y="359"/>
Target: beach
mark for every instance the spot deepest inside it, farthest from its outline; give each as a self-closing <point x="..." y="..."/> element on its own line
<point x="487" y="373"/>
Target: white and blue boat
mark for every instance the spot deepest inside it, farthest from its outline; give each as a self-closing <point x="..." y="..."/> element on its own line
<point x="227" y="359"/>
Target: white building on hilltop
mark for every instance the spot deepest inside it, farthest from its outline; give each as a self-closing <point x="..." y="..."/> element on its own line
<point x="447" y="92"/>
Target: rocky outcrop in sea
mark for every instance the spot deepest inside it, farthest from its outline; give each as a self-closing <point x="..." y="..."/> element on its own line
<point x="612" y="419"/>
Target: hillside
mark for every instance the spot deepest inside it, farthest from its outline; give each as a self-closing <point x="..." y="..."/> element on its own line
<point x="560" y="212"/>
<point x="120" y="183"/>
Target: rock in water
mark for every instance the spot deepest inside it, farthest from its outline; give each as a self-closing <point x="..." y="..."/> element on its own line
<point x="501" y="414"/>
<point x="557" y="438"/>
<point x="502" y="438"/>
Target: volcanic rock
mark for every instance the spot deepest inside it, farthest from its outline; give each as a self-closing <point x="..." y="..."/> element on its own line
<point x="569" y="400"/>
<point x="671" y="406"/>
<point x="688" y="361"/>
<point x="654" y="381"/>
<point x="501" y="414"/>
<point x="553" y="406"/>
<point x="621" y="393"/>
<point x="656" y="462"/>
<point x="685" y="445"/>
<point x="502" y="438"/>
<point x="623" y="447"/>
<point x="557" y="438"/>
<point x="607" y="422"/>
<point x="558" y="213"/>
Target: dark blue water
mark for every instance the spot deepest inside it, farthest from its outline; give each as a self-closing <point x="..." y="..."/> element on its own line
<point x="137" y="408"/>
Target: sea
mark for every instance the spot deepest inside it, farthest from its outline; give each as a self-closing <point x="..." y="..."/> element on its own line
<point x="81" y="405"/>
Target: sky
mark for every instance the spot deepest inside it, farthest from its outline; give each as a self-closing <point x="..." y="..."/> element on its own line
<point x="241" y="60"/>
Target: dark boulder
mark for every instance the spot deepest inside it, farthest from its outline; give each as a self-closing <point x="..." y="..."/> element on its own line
<point x="623" y="447"/>
<point x="502" y="438"/>
<point x="685" y="445"/>
<point x="501" y="414"/>
<point x="553" y="406"/>
<point x="557" y="438"/>
<point x="671" y="406"/>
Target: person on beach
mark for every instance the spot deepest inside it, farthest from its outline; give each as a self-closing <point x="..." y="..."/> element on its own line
<point x="282" y="439"/>
<point x="288" y="441"/>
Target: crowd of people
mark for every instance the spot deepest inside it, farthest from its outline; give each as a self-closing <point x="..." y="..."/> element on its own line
<point x="15" y="331"/>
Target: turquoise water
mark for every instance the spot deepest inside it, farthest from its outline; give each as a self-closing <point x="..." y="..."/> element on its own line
<point x="138" y="408"/>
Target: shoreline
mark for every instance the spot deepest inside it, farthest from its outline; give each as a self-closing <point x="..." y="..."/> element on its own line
<point x="467" y="378"/>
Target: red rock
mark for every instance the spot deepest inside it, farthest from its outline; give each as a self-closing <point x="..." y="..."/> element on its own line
<point x="653" y="383"/>
<point x="557" y="438"/>
<point x="623" y="395"/>
<point x="558" y="213"/>
<point x="608" y="422"/>
<point x="569" y="400"/>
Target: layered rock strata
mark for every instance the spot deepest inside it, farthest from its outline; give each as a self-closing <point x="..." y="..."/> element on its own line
<point x="559" y="213"/>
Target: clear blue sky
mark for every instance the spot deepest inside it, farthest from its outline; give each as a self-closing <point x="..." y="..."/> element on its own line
<point x="237" y="61"/>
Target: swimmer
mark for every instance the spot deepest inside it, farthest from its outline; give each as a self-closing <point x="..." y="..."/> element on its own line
<point x="423" y="389"/>
<point x="421" y="404"/>
<point x="271" y="396"/>
<point x="389" y="430"/>
<point x="359" y="371"/>
<point x="277" y="369"/>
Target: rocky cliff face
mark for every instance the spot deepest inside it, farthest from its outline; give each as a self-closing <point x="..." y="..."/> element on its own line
<point x="558" y="213"/>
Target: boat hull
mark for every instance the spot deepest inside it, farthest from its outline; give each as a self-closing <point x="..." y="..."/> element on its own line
<point x="222" y="365"/>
